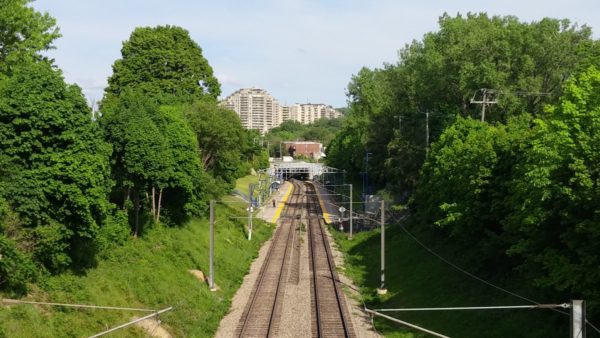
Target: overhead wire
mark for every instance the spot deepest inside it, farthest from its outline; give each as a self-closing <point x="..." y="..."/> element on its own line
<point x="472" y="275"/>
<point x="456" y="266"/>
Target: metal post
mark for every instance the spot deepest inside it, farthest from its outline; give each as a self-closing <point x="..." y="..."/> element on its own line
<point x="382" y="290"/>
<point x="250" y="190"/>
<point x="578" y="319"/>
<point x="350" y="210"/>
<point x="483" y="105"/>
<point x="211" y="280"/>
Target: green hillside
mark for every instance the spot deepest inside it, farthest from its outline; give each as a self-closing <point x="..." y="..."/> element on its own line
<point x="150" y="272"/>
<point x="416" y="278"/>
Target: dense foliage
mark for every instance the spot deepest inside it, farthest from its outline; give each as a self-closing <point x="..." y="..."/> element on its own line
<point x="174" y="147"/>
<point x="24" y="33"/>
<point x="529" y="196"/>
<point x="56" y="170"/>
<point x="525" y="63"/>
<point x="165" y="63"/>
<point x="523" y="183"/>
<point x="73" y="184"/>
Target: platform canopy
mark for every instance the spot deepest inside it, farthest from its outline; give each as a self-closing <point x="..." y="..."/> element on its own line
<point x="300" y="169"/>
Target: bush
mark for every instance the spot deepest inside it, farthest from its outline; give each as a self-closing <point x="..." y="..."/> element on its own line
<point x="16" y="268"/>
<point x="51" y="244"/>
<point x="114" y="232"/>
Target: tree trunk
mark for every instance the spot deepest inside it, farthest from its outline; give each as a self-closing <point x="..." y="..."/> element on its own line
<point x="159" y="202"/>
<point x="136" y="206"/>
<point x="126" y="198"/>
<point x="153" y="203"/>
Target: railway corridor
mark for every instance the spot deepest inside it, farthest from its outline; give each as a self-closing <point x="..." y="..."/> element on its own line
<point x="296" y="293"/>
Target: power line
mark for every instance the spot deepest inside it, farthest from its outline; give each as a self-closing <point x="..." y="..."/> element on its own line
<point x="85" y="306"/>
<point x="470" y="274"/>
<point x="541" y="306"/>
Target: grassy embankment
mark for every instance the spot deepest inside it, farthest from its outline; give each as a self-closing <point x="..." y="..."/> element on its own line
<point x="242" y="183"/>
<point x="150" y="272"/>
<point x="416" y="278"/>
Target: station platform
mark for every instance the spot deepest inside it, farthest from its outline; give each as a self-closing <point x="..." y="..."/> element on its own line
<point x="331" y="211"/>
<point x="271" y="214"/>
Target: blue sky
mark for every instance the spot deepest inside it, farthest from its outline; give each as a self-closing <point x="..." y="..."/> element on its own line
<point x="300" y="51"/>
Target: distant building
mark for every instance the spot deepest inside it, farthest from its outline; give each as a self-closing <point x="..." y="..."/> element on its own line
<point x="310" y="112"/>
<point x="257" y="109"/>
<point x="303" y="148"/>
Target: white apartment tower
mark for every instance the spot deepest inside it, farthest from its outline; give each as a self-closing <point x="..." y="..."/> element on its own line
<point x="256" y="108"/>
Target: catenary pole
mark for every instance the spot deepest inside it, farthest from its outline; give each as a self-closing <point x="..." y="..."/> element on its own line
<point x="350" y="210"/>
<point x="212" y="245"/>
<point x="578" y="319"/>
<point x="250" y="188"/>
<point x="382" y="290"/>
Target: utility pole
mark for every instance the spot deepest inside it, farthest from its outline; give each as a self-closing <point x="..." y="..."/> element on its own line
<point x="483" y="105"/>
<point x="382" y="290"/>
<point x="485" y="100"/>
<point x="211" y="279"/>
<point x="578" y="319"/>
<point x="350" y="210"/>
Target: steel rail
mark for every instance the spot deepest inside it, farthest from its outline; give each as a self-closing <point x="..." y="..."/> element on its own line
<point x="262" y="274"/>
<point x="338" y="297"/>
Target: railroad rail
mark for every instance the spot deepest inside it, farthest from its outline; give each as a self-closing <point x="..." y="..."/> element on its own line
<point x="263" y="310"/>
<point x="330" y="317"/>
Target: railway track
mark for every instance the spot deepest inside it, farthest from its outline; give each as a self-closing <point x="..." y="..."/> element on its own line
<point x="263" y="310"/>
<point x="330" y="317"/>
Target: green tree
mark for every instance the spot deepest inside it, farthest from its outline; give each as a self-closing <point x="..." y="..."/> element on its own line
<point x="57" y="163"/>
<point x="555" y="195"/>
<point x="220" y="135"/>
<point x="463" y="185"/>
<point x="24" y="33"/>
<point x="526" y="63"/>
<point x="155" y="159"/>
<point x="165" y="63"/>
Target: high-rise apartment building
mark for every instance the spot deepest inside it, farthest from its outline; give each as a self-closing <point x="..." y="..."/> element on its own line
<point x="310" y="112"/>
<point x="257" y="109"/>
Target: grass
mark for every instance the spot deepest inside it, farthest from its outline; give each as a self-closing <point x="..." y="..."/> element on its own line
<point x="150" y="272"/>
<point x="415" y="278"/>
<point x="242" y="183"/>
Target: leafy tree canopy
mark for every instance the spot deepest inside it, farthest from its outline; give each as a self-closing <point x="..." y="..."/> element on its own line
<point x="23" y="32"/>
<point x="220" y="136"/>
<point x="525" y="63"/>
<point x="165" y="63"/>
<point x="57" y="168"/>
